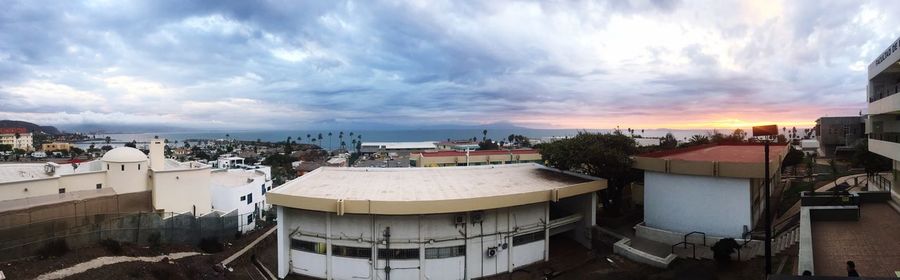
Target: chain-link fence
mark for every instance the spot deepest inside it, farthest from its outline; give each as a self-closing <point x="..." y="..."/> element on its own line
<point x="140" y="228"/>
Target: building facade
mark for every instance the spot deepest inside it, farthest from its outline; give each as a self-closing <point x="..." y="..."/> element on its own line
<point x="839" y="135"/>
<point x="244" y="190"/>
<point x="714" y="189"/>
<point x="17" y="137"/>
<point x="469" y="158"/>
<point x="883" y="123"/>
<point x="55" y="146"/>
<point x="428" y="223"/>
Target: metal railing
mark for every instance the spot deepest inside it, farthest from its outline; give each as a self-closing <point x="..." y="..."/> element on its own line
<point x="884" y="92"/>
<point x="893" y="137"/>
<point x="695" y="232"/>
<point x="693" y="247"/>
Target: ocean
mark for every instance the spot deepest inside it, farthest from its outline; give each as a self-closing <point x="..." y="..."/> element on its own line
<point x="380" y="135"/>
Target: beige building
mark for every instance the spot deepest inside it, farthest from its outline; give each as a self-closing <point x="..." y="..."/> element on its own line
<point x="468" y="158"/>
<point x="55" y="146"/>
<point x="430" y="223"/>
<point x="18" y="138"/>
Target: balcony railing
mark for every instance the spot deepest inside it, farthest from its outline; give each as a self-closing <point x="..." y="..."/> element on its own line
<point x="884" y="92"/>
<point x="886" y="136"/>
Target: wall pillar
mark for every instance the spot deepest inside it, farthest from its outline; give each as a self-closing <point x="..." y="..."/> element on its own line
<point x="329" y="274"/>
<point x="283" y="243"/>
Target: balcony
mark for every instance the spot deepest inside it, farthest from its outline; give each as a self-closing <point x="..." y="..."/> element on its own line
<point x="886" y="144"/>
<point x="884" y="92"/>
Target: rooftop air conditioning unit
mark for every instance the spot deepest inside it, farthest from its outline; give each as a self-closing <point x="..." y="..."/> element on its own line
<point x="477" y="217"/>
<point x="491" y="252"/>
<point x="459" y="219"/>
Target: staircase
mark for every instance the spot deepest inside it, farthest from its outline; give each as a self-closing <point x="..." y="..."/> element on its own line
<point x="780" y="243"/>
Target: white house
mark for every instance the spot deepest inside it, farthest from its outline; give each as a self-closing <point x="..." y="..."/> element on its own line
<point x="713" y="189"/>
<point x="244" y="190"/>
<point x="428" y="223"/>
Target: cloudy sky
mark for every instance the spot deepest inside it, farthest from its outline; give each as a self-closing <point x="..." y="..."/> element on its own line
<point x="312" y="64"/>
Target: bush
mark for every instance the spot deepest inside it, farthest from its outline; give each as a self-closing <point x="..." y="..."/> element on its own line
<point x="723" y="249"/>
<point x="54" y="248"/>
<point x="155" y="241"/>
<point x="112" y="246"/>
<point x="211" y="245"/>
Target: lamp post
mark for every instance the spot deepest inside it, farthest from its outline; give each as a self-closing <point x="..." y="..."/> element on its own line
<point x="765" y="133"/>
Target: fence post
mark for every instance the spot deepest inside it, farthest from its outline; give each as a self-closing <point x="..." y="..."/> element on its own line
<point x="137" y="231"/>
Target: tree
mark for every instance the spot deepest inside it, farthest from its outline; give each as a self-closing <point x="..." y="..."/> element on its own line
<point x="603" y="155"/>
<point x="739" y="135"/>
<point x="668" y="142"/>
<point x="108" y="139"/>
<point x="484" y="138"/>
<point x="488" y="145"/>
<point x="329" y="140"/>
<point x="792" y="158"/>
<point x="320" y="140"/>
<point x="341" y="140"/>
<point x="132" y="144"/>
<point x="287" y="146"/>
<point x="75" y="151"/>
<point x="309" y="138"/>
<point x="723" y="249"/>
<point x="696" y="140"/>
<point x="871" y="162"/>
<point x="5" y="147"/>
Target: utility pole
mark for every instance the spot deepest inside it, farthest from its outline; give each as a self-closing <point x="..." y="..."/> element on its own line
<point x="766" y="132"/>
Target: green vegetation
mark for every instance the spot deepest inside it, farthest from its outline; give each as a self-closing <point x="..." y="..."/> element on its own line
<point x="871" y="162"/>
<point x="606" y="156"/>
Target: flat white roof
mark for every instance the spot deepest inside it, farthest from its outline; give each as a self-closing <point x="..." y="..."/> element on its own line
<point x="236" y="177"/>
<point x="32" y="171"/>
<point x="401" y="145"/>
<point x="429" y="190"/>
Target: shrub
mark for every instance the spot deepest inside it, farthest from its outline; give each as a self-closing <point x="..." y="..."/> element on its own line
<point x="723" y="249"/>
<point x="54" y="248"/>
<point x="112" y="246"/>
<point x="211" y="245"/>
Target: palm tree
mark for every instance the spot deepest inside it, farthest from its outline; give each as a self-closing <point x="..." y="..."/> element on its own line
<point x="329" y="140"/>
<point x="108" y="139"/>
<point x="484" y="132"/>
<point x="309" y="138"/>
<point x="341" y="139"/>
<point x="320" y="140"/>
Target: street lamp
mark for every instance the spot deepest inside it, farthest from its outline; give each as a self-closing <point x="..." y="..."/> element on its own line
<point x="765" y="133"/>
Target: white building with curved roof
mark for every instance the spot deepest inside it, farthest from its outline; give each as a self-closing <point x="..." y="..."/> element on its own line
<point x="428" y="223"/>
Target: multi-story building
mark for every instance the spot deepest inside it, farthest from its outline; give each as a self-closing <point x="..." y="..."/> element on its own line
<point x="837" y="135"/>
<point x="883" y="124"/>
<point x="55" y="146"/>
<point x="17" y="137"/>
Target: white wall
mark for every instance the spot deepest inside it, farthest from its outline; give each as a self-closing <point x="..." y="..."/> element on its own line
<point x="415" y="232"/>
<point x="133" y="179"/>
<point x="715" y="205"/>
<point x="181" y="191"/>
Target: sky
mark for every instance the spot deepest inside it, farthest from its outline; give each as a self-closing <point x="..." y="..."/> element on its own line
<point x="538" y="64"/>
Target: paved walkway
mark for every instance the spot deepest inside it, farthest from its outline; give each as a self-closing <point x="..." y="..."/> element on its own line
<point x="103" y="261"/>
<point x="873" y="243"/>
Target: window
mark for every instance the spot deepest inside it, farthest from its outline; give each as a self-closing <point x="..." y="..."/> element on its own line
<point x="528" y="238"/>
<point x="264" y="189"/>
<point x="269" y="188"/>
<point x="139" y="166"/>
<point x="62" y="190"/>
<point x="249" y="219"/>
<point x="99" y="186"/>
<point x="123" y="167"/>
<point x="399" y="254"/>
<point x="307" y="246"/>
<point x="445" y="252"/>
<point x="243" y="198"/>
<point x="351" y="252"/>
<point x="107" y="166"/>
<point x="249" y="198"/>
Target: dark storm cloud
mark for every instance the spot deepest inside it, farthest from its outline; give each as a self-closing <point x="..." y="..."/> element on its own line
<point x="294" y="63"/>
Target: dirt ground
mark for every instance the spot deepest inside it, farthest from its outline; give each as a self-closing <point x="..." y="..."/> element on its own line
<point x="196" y="267"/>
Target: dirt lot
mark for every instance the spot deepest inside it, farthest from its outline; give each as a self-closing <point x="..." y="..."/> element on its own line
<point x="196" y="267"/>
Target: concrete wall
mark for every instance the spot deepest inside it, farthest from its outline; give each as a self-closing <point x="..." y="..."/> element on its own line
<point x="83" y="181"/>
<point x="683" y="203"/>
<point x="227" y="198"/>
<point x="30" y="188"/>
<point x="183" y="190"/>
<point x="418" y="232"/>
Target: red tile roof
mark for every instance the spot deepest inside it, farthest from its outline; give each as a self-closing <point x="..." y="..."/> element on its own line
<point x="744" y="153"/>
